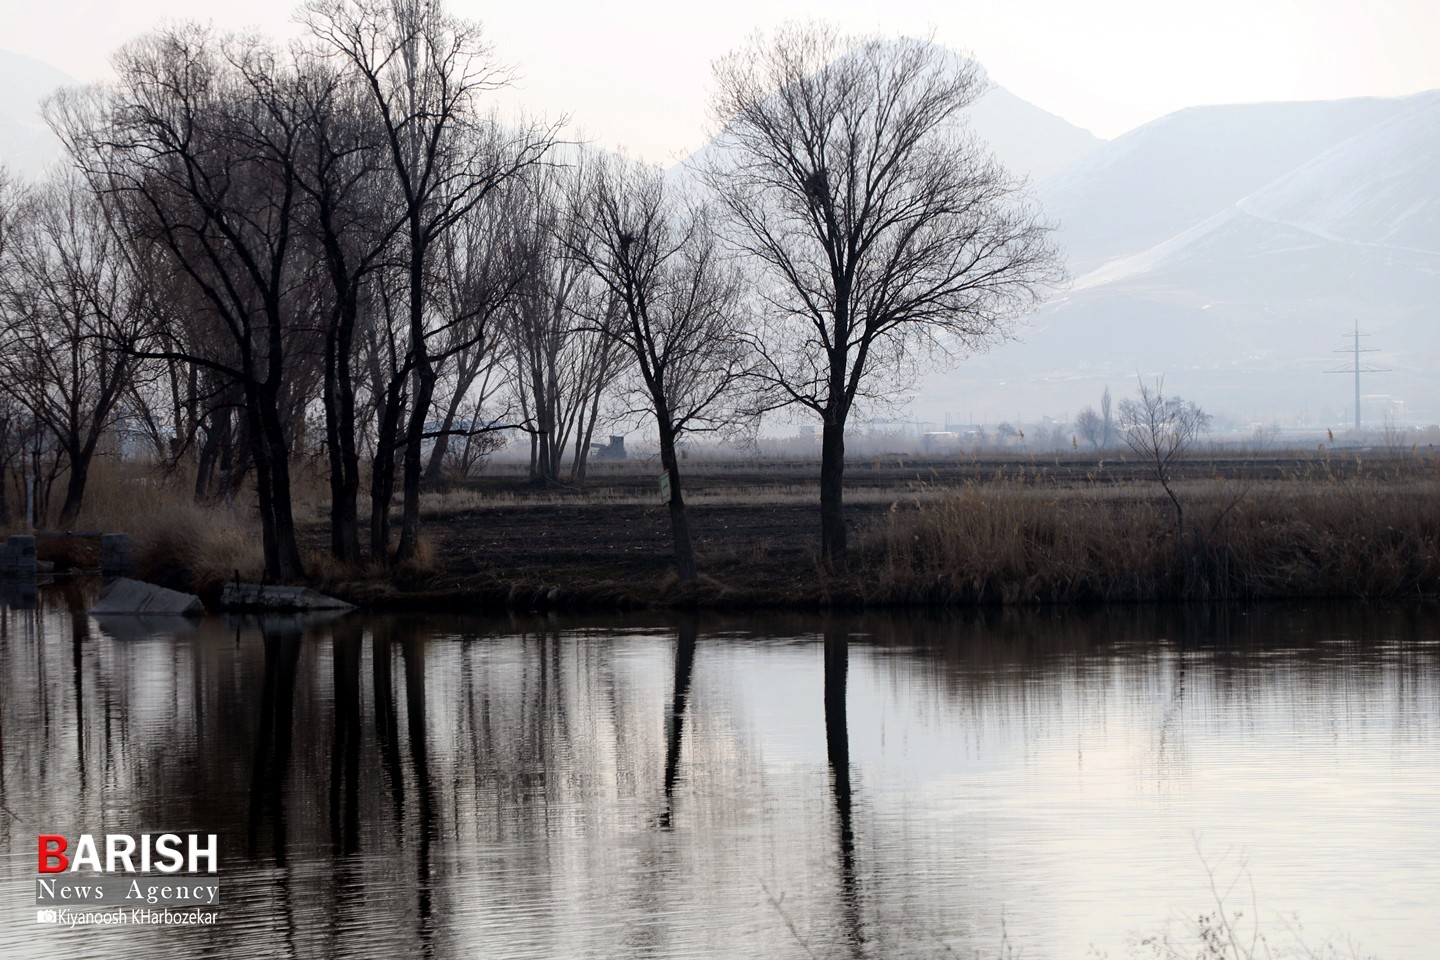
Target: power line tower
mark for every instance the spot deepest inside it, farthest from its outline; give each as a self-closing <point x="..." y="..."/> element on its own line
<point x="1356" y="367"/>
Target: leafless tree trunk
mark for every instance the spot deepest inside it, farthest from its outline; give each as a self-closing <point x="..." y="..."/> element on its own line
<point x="350" y="217"/>
<point x="72" y="313"/>
<point x="424" y="71"/>
<point x="198" y="144"/>
<point x="562" y="364"/>
<point x="886" y="234"/>
<point x="10" y="448"/>
<point x="679" y="317"/>
<point x="388" y="365"/>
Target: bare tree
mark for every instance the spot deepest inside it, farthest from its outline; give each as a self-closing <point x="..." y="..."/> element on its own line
<point x="473" y="407"/>
<point x="463" y="458"/>
<point x="12" y="447"/>
<point x="679" y="315"/>
<point x="1090" y="427"/>
<point x="562" y="364"/>
<point x="425" y="71"/>
<point x="72" y="314"/>
<point x="9" y="200"/>
<point x="387" y="366"/>
<point x="1265" y="436"/>
<point x="10" y="413"/>
<point x="1160" y="430"/>
<point x="478" y="275"/>
<point x="186" y="412"/>
<point x="350" y="218"/>
<point x="886" y="234"/>
<point x="198" y="145"/>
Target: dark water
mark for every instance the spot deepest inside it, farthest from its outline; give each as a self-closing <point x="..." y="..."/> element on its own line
<point x="1056" y="784"/>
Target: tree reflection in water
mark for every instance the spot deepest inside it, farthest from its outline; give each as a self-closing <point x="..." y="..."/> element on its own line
<point x="837" y="749"/>
<point x="271" y="768"/>
<point x="447" y="786"/>
<point x="346" y="644"/>
<point x="687" y="635"/>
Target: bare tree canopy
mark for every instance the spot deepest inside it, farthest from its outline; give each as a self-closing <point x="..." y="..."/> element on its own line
<point x="676" y="308"/>
<point x="197" y="145"/>
<point x="9" y="199"/>
<point x="1090" y="427"/>
<point x="330" y="250"/>
<point x="1160" y="430"/>
<point x="562" y="364"/>
<point x="70" y="312"/>
<point x="885" y="233"/>
<point x="426" y="72"/>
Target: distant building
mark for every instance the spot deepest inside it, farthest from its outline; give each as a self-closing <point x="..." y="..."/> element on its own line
<point x="614" y="450"/>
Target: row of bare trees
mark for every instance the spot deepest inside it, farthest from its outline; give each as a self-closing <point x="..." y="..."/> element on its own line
<point x="259" y="252"/>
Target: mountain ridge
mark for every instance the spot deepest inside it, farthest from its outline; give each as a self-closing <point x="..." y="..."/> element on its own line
<point x="1242" y="288"/>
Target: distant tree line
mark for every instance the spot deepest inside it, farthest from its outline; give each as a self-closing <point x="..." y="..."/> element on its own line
<point x="336" y="250"/>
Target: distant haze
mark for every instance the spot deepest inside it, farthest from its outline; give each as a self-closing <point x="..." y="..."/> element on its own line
<point x="26" y="143"/>
<point x="1230" y="250"/>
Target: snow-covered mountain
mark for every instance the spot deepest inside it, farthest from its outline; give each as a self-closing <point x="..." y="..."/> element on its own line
<point x="1231" y="249"/>
<point x="1157" y="180"/>
<point x="1379" y="189"/>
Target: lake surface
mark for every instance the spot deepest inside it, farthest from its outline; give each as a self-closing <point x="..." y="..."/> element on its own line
<point x="1062" y="783"/>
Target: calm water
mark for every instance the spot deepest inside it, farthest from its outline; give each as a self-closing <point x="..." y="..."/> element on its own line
<point x="1061" y="784"/>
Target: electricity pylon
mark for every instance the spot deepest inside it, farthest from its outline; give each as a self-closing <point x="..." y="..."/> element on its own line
<point x="1357" y="367"/>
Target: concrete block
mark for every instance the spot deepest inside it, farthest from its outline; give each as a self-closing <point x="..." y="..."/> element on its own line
<point x="123" y="595"/>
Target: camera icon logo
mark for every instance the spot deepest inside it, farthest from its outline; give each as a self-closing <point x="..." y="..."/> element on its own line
<point x="46" y="916"/>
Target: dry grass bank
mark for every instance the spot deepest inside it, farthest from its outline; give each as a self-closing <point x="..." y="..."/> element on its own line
<point x="179" y="543"/>
<point x="1368" y="535"/>
<point x="1071" y="529"/>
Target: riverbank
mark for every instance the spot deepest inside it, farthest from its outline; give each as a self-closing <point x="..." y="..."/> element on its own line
<point x="926" y="532"/>
<point x="931" y="533"/>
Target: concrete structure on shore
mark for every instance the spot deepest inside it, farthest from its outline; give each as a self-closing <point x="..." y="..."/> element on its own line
<point x="125" y="596"/>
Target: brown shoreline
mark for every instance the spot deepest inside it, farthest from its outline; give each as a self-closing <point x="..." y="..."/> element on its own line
<point x="513" y="546"/>
<point x="926" y="533"/>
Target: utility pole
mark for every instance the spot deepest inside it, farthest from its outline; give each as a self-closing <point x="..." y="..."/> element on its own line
<point x="1357" y="367"/>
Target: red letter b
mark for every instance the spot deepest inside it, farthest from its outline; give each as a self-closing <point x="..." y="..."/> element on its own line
<point x="52" y="847"/>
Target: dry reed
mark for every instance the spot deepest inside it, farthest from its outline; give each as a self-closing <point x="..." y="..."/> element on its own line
<point x="179" y="543"/>
<point x="1364" y="536"/>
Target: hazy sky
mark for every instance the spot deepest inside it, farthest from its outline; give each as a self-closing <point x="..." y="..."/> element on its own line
<point x="635" y="74"/>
